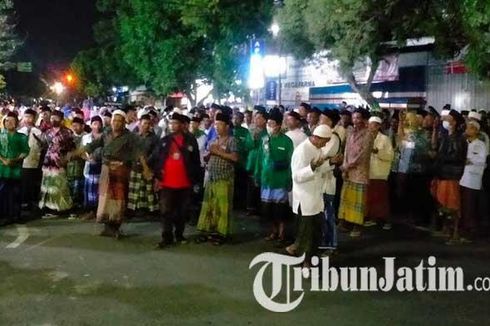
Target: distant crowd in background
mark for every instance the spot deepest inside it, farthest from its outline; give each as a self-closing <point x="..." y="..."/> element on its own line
<point x="308" y="173"/>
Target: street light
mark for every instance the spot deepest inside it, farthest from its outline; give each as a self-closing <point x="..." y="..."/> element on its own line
<point x="275" y="29"/>
<point x="275" y="32"/>
<point x="58" y="88"/>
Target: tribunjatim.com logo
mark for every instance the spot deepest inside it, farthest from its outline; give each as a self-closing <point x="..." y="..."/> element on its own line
<point x="288" y="277"/>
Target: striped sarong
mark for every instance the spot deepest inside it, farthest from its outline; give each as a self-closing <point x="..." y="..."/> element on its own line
<point x="353" y="202"/>
<point x="141" y="194"/>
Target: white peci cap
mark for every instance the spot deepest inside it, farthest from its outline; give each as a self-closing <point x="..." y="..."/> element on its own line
<point x="323" y="131"/>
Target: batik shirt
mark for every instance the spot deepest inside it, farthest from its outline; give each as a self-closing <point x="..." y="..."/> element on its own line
<point x="60" y="142"/>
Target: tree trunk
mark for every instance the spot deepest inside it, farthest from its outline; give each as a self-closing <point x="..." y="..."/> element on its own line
<point x="364" y="89"/>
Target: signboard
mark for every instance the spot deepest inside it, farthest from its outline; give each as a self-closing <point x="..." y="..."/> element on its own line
<point x="24" y="66"/>
<point x="271" y="91"/>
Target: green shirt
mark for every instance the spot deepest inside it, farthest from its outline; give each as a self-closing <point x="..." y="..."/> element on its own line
<point x="274" y="162"/>
<point x="12" y="145"/>
<point x="241" y="134"/>
<point x="253" y="144"/>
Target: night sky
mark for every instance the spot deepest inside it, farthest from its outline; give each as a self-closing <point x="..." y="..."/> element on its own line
<point x="53" y="32"/>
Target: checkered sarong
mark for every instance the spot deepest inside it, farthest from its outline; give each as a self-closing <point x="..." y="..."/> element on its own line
<point x="76" y="191"/>
<point x="353" y="202"/>
<point x="141" y="194"/>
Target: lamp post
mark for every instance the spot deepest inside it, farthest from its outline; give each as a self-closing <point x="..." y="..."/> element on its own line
<point x="275" y="32"/>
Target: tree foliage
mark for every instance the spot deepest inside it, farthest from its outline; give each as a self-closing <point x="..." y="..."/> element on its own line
<point x="9" y="41"/>
<point x="172" y="45"/>
<point x="352" y="30"/>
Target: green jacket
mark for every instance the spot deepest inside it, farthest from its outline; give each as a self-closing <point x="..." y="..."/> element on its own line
<point x="253" y="144"/>
<point x="241" y="134"/>
<point x="273" y="168"/>
<point x="12" y="145"/>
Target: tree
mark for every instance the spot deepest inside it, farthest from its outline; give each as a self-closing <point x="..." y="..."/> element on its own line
<point x="353" y="30"/>
<point x="8" y="40"/>
<point x="175" y="45"/>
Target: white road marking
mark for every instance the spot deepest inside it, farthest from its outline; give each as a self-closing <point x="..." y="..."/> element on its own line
<point x="23" y="235"/>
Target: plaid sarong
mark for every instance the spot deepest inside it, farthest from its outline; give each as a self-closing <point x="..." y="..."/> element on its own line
<point x="76" y="191"/>
<point x="141" y="194"/>
<point x="353" y="202"/>
<point x="215" y="217"/>
<point x="91" y="191"/>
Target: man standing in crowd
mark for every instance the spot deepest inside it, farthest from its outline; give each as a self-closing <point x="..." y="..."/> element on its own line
<point x="240" y="134"/>
<point x="273" y="172"/>
<point x="254" y="142"/>
<point x="14" y="148"/>
<point x="215" y="219"/>
<point x="92" y="170"/>
<point x="355" y="171"/>
<point x="471" y="182"/>
<point x="306" y="166"/>
<point x="378" y="199"/>
<point x="177" y="169"/>
<point x="120" y="150"/>
<point x="31" y="167"/>
<point x="55" y="190"/>
<point x="450" y="164"/>
<point x="295" y="132"/>
<point x="74" y="168"/>
<point x="141" y="196"/>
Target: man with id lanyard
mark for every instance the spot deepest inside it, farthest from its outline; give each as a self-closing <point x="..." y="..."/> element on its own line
<point x="177" y="169"/>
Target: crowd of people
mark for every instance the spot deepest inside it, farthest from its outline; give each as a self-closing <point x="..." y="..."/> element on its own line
<point x="337" y="170"/>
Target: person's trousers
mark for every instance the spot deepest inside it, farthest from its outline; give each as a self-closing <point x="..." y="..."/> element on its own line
<point x="174" y="208"/>
<point x="31" y="185"/>
<point x="240" y="191"/>
<point x="10" y="200"/>
<point x="253" y="195"/>
<point x="329" y="227"/>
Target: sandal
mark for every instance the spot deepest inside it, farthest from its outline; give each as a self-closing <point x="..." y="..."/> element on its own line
<point x="271" y="237"/>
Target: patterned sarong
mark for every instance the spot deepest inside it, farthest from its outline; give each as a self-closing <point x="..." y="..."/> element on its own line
<point x="447" y="194"/>
<point x="112" y="193"/>
<point x="378" y="200"/>
<point x="215" y="217"/>
<point x="141" y="194"/>
<point x="55" y="191"/>
<point x="91" y="191"/>
<point x="353" y="202"/>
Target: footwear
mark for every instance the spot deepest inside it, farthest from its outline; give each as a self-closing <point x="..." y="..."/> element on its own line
<point x="343" y="229"/>
<point x="87" y="216"/>
<point x="182" y="240"/>
<point x="49" y="216"/>
<point x="387" y="226"/>
<point x="369" y="224"/>
<point x="163" y="245"/>
<point x="72" y="217"/>
<point x="355" y="234"/>
<point x="201" y="239"/>
<point x="271" y="237"/>
<point x="291" y="250"/>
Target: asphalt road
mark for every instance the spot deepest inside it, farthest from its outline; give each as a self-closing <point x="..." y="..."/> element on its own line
<point x="59" y="272"/>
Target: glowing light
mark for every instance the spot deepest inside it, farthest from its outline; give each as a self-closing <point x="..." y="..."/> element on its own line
<point x="275" y="29"/>
<point x="256" y="78"/>
<point x="274" y="65"/>
<point x="58" y="88"/>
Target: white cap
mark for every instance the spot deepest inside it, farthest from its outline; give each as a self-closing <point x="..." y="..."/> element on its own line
<point x="445" y="113"/>
<point x="475" y="124"/>
<point x="376" y="119"/>
<point x="474" y="115"/>
<point x="119" y="112"/>
<point x="323" y="131"/>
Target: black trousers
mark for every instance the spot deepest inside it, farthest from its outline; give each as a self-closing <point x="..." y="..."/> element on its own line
<point x="240" y="188"/>
<point x="253" y="195"/>
<point x="10" y="199"/>
<point x="31" y="185"/>
<point x="174" y="209"/>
